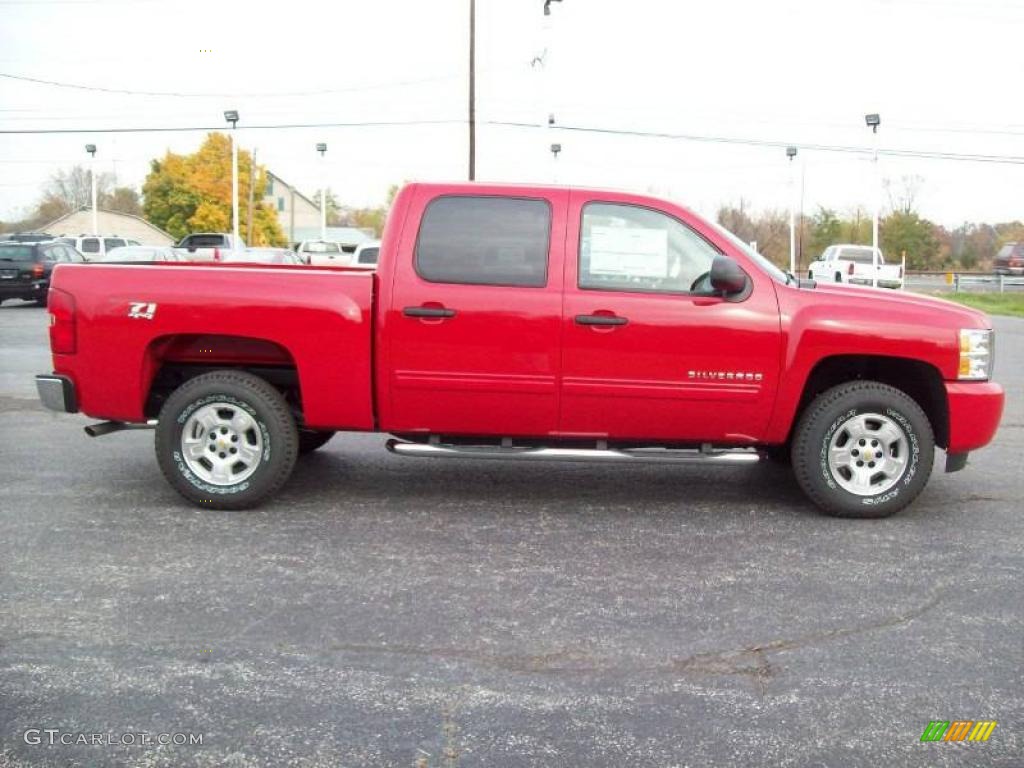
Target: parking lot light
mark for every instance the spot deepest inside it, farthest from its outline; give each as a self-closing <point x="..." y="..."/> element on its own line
<point x="791" y="154"/>
<point x="322" y="149"/>
<point x="874" y="120"/>
<point x="91" y="149"/>
<point x="231" y="115"/>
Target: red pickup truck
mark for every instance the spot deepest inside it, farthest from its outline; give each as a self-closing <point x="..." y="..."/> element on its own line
<point x="527" y="323"/>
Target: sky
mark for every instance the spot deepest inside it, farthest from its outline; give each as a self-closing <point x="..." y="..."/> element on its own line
<point x="943" y="74"/>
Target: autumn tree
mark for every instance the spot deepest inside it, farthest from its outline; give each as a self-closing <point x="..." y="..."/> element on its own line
<point x="192" y="193"/>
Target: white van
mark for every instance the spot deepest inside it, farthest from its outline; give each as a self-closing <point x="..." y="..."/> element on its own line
<point x="95" y="247"/>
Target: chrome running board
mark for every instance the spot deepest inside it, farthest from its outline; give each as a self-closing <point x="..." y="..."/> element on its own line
<point x="704" y="455"/>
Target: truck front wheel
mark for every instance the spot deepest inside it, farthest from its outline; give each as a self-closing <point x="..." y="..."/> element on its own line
<point x="863" y="449"/>
<point x="226" y="440"/>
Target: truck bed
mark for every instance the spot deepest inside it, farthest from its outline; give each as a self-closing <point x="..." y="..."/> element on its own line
<point x="315" y="321"/>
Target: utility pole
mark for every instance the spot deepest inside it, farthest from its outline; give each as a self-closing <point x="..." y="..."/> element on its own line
<point x="549" y="111"/>
<point x="252" y="193"/>
<point x="472" y="90"/>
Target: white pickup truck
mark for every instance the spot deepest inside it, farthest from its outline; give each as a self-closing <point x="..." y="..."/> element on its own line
<point x="848" y="263"/>
<point x="208" y="246"/>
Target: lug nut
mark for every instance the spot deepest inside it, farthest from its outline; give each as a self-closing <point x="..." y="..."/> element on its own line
<point x="860" y="463"/>
<point x="222" y="455"/>
<point x="855" y="452"/>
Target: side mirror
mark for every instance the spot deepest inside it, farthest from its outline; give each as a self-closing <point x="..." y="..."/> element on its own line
<point x="726" y="276"/>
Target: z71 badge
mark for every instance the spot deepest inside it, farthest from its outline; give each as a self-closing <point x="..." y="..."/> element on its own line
<point x="141" y="310"/>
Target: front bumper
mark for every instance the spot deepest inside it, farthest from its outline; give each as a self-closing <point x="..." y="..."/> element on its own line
<point x="975" y="408"/>
<point x="57" y="393"/>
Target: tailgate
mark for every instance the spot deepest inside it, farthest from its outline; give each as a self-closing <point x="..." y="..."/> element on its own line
<point x="128" y="317"/>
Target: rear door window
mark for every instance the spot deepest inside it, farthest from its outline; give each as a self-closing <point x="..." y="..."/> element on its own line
<point x="484" y="241"/>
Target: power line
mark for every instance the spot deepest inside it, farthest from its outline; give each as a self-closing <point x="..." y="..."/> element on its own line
<point x="968" y="157"/>
<point x="184" y="94"/>
<point x="187" y="129"/>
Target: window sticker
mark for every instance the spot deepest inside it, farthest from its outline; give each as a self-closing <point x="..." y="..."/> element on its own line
<point x="629" y="251"/>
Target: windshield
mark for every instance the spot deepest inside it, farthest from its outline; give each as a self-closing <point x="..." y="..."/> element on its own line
<point x="15" y="253"/>
<point x="761" y="261"/>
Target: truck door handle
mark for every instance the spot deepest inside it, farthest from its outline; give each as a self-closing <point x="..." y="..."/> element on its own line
<point x="428" y="312"/>
<point x="600" y="320"/>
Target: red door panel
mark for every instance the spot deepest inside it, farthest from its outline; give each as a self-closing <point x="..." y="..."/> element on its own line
<point x="673" y="367"/>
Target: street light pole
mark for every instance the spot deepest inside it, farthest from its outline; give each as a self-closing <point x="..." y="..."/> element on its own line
<point x="472" y="90"/>
<point x="322" y="149"/>
<point x="91" y="149"/>
<point x="252" y="195"/>
<point x="791" y="154"/>
<point x="873" y="121"/>
<point x="232" y="117"/>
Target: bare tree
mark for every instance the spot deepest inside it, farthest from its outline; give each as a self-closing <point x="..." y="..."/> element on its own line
<point x="903" y="194"/>
<point x="71" y="190"/>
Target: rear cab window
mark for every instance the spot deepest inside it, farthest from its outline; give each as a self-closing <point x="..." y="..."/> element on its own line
<point x="90" y="245"/>
<point x="860" y="256"/>
<point x="483" y="240"/>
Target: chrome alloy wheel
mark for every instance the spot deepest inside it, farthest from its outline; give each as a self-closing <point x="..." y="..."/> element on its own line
<point x="222" y="444"/>
<point x="868" y="454"/>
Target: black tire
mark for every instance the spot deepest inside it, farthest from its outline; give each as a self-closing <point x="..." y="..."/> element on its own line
<point x="311" y="439"/>
<point x="830" y="413"/>
<point x="41" y="302"/>
<point x="274" y="427"/>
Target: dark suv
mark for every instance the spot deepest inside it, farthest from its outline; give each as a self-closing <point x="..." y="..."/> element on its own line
<point x="1010" y="259"/>
<point x="25" y="268"/>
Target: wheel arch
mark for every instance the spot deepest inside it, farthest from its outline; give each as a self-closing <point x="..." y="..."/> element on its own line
<point x="173" y="359"/>
<point x="919" y="380"/>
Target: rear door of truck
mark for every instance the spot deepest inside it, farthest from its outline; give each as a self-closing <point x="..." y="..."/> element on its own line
<point x="474" y="318"/>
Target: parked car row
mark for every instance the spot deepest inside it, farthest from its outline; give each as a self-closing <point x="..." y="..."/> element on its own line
<point x="28" y="258"/>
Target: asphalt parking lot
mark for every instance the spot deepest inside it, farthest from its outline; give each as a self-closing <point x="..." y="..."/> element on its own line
<point x="382" y="610"/>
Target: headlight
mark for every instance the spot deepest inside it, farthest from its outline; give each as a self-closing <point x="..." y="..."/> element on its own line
<point x="977" y="354"/>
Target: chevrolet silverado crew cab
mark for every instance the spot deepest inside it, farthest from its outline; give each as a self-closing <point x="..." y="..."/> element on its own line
<point x="526" y="323"/>
<point x="855" y="264"/>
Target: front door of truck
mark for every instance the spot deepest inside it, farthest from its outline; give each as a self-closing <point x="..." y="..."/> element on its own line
<point x="644" y="356"/>
<point x="475" y="314"/>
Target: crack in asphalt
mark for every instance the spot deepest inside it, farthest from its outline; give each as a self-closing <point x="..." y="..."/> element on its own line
<point x="750" y="661"/>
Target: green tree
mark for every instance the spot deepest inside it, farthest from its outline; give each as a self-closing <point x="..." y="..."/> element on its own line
<point x="192" y="193"/>
<point x="825" y="230"/>
<point x="902" y="232"/>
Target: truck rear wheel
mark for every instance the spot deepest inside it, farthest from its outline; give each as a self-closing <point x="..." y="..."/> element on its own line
<point x="226" y="440"/>
<point x="863" y="449"/>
